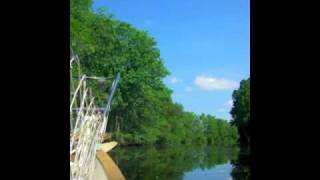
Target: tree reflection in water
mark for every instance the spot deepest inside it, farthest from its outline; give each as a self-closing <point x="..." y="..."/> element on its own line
<point x="241" y="166"/>
<point x="171" y="163"/>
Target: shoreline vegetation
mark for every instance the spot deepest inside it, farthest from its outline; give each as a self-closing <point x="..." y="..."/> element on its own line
<point x="142" y="111"/>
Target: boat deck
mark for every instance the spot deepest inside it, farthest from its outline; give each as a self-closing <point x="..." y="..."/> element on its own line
<point x="111" y="170"/>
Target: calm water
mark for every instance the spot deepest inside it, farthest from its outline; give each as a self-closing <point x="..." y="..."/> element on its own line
<point x="182" y="163"/>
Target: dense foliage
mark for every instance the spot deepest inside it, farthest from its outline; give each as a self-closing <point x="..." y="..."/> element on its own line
<point x="241" y="111"/>
<point x="142" y="110"/>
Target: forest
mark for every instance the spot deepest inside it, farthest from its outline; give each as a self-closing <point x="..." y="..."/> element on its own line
<point x="143" y="112"/>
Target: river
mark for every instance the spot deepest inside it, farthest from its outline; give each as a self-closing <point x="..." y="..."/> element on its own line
<point x="182" y="162"/>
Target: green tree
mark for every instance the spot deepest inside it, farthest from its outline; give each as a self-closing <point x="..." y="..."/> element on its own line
<point x="241" y="111"/>
<point x="142" y="110"/>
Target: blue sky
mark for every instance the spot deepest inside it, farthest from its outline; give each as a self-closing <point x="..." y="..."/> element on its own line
<point x="204" y="44"/>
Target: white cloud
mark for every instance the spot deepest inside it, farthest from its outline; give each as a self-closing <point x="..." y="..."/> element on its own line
<point x="210" y="83"/>
<point x="229" y="103"/>
<point x="175" y="80"/>
<point x="222" y="110"/>
<point x="188" y="89"/>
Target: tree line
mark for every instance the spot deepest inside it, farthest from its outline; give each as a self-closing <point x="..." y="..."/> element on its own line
<point x="143" y="111"/>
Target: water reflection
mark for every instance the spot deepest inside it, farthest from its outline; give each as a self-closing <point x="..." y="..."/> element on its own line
<point x="241" y="166"/>
<point x="174" y="163"/>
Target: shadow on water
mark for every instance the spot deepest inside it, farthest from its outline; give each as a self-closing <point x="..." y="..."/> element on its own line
<point x="172" y="163"/>
<point x="241" y="166"/>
